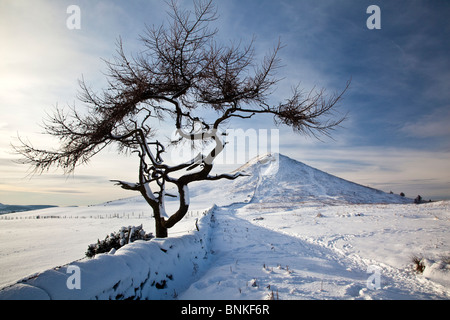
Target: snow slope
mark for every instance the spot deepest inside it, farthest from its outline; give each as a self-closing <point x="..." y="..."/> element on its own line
<point x="277" y="178"/>
<point x="301" y="233"/>
<point x="267" y="252"/>
<point x="286" y="231"/>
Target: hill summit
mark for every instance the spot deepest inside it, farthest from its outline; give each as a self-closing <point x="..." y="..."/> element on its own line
<point x="277" y="178"/>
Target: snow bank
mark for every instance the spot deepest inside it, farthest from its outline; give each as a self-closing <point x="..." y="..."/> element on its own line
<point x="156" y="269"/>
<point x="437" y="271"/>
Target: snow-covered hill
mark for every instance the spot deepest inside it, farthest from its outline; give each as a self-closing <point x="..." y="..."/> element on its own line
<point x="6" y="208"/>
<point x="277" y="178"/>
<point x="285" y="231"/>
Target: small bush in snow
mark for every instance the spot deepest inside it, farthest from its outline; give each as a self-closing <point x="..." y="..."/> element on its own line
<point x="418" y="199"/>
<point x="118" y="239"/>
<point x="432" y="265"/>
<point x="419" y="265"/>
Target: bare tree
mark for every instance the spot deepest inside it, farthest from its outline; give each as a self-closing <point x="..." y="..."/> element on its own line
<point x="181" y="75"/>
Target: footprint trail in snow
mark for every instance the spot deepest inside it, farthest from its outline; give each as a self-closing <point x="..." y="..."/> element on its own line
<point x="253" y="262"/>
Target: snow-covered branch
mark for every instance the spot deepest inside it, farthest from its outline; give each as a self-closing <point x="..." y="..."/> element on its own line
<point x="228" y="176"/>
<point x="127" y="185"/>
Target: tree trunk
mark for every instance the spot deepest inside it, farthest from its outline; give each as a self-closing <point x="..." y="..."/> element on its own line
<point x="161" y="224"/>
<point x="161" y="230"/>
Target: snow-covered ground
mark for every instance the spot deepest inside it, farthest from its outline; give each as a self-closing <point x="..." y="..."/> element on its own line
<point x="271" y="250"/>
<point x="287" y="231"/>
<point x="35" y="241"/>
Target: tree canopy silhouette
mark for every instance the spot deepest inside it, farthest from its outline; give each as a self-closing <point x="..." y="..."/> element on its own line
<point x="181" y="77"/>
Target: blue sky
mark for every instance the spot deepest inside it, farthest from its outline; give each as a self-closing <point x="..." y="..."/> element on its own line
<point x="396" y="137"/>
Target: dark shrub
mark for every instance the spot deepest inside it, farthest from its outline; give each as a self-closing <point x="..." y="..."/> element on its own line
<point x="118" y="239"/>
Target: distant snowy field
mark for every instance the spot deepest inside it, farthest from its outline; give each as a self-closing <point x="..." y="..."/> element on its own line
<point x="288" y="231"/>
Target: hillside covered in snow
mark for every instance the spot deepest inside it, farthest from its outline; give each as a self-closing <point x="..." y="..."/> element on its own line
<point x="285" y="231"/>
<point x="5" y="208"/>
<point x="277" y="178"/>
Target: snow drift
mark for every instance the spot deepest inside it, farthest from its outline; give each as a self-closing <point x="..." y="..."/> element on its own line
<point x="156" y="269"/>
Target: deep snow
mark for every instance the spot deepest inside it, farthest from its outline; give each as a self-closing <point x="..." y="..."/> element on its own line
<point x="264" y="251"/>
<point x="287" y="231"/>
